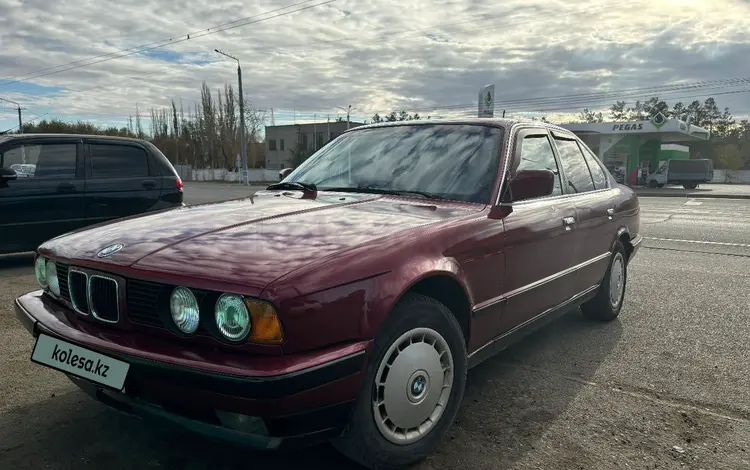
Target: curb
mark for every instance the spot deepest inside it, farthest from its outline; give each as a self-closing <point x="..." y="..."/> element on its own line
<point x="695" y="195"/>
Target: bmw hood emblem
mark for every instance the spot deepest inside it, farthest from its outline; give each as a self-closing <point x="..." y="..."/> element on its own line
<point x="109" y="250"/>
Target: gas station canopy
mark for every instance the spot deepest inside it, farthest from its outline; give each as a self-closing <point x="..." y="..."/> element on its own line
<point x="626" y="147"/>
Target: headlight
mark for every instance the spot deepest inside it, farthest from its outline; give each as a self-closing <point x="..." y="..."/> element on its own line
<point x="51" y="274"/>
<point x="232" y="317"/>
<point x="185" y="311"/>
<point x="40" y="270"/>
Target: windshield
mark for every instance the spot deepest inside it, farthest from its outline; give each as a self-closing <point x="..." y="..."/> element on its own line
<point x="458" y="162"/>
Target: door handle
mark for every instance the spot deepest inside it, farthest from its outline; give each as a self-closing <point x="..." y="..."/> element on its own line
<point x="149" y="184"/>
<point x="66" y="188"/>
<point x="568" y="221"/>
<point x="610" y="213"/>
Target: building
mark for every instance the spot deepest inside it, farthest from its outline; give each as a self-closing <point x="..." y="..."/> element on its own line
<point x="630" y="148"/>
<point x="284" y="144"/>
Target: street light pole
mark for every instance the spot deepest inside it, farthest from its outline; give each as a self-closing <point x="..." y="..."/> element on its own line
<point x="243" y="143"/>
<point x="348" y="112"/>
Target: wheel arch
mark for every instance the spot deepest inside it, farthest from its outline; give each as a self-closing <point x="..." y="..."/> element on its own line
<point x="623" y="236"/>
<point x="446" y="287"/>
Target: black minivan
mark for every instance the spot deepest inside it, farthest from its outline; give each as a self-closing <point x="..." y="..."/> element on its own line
<point x="51" y="184"/>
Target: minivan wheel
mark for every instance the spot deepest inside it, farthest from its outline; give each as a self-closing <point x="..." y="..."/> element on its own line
<point x="412" y="388"/>
<point x="608" y="302"/>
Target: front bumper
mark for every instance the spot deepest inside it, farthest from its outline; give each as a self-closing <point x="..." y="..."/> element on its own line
<point x="305" y="401"/>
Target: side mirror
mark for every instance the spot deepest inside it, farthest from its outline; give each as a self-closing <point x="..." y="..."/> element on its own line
<point x="8" y="174"/>
<point x="530" y="184"/>
<point x="284" y="173"/>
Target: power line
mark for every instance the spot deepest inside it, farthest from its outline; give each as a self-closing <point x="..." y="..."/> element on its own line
<point x="189" y="36"/>
<point x="585" y="98"/>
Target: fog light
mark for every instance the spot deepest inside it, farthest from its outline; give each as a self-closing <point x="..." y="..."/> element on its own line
<point x="242" y="423"/>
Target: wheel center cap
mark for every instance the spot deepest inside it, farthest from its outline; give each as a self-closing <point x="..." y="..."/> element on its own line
<point x="417" y="386"/>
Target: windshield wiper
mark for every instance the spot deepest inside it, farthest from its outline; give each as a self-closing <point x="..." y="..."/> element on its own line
<point x="395" y="192"/>
<point x="310" y="187"/>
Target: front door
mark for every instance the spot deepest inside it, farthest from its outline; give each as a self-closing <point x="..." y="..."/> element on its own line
<point x="540" y="238"/>
<point x="47" y="198"/>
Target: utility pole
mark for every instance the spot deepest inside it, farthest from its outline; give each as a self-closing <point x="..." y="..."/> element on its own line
<point x="243" y="142"/>
<point x="18" y="107"/>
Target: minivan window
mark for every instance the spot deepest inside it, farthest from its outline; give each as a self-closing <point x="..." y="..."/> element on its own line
<point x="457" y="162"/>
<point x="42" y="160"/>
<point x="536" y="154"/>
<point x="575" y="167"/>
<point x="118" y="161"/>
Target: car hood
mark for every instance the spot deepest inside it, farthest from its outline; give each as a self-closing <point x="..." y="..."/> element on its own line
<point x="251" y="241"/>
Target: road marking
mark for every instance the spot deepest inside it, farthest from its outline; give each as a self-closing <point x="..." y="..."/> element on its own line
<point x="693" y="202"/>
<point x="703" y="242"/>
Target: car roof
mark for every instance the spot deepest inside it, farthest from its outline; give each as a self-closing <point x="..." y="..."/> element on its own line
<point x="494" y="122"/>
<point x="73" y="136"/>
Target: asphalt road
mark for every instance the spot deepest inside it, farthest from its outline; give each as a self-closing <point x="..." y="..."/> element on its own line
<point x="667" y="386"/>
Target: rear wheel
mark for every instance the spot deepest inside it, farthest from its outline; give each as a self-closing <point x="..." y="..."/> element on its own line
<point x="607" y="304"/>
<point x="412" y="389"/>
<point x="653" y="184"/>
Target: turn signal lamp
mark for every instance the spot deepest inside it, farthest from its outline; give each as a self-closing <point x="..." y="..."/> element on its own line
<point x="266" y="324"/>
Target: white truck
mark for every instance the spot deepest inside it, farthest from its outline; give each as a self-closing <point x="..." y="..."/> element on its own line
<point x="688" y="173"/>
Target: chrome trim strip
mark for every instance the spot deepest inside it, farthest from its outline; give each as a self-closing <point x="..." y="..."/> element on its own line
<point x="534" y="319"/>
<point x="72" y="270"/>
<point x="540" y="282"/>
<point x="91" y="304"/>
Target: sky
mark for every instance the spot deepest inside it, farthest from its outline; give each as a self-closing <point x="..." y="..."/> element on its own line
<point x="85" y="60"/>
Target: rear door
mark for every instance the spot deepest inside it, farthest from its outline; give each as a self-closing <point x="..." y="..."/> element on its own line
<point x="120" y="180"/>
<point x="594" y="204"/>
<point x="47" y="198"/>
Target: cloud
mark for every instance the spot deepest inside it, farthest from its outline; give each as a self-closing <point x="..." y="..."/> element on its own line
<point x="426" y="55"/>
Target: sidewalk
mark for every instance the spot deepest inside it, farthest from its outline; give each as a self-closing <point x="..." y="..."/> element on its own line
<point x="708" y="190"/>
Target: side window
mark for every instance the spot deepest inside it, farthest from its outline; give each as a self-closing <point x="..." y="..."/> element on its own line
<point x="118" y="161"/>
<point x="600" y="180"/>
<point x="574" y="166"/>
<point x="55" y="161"/>
<point x="536" y="154"/>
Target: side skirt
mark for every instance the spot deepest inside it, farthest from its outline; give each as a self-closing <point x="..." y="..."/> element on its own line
<point x="516" y="334"/>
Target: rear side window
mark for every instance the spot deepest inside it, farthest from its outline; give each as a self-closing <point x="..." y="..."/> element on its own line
<point x="600" y="180"/>
<point x="575" y="167"/>
<point x="118" y="161"/>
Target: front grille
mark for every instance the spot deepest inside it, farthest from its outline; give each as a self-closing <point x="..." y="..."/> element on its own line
<point x="143" y="302"/>
<point x="148" y="303"/>
<point x="104" y="299"/>
<point x="77" y="282"/>
<point x="62" y="280"/>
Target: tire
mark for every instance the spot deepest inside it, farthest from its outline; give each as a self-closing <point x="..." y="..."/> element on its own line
<point x="368" y="442"/>
<point x="602" y="307"/>
<point x="653" y="184"/>
<point x="661" y="185"/>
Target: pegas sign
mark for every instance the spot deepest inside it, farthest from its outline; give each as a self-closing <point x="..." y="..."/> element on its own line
<point x="635" y="126"/>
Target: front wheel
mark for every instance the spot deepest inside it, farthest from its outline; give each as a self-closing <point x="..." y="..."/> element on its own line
<point x="412" y="389"/>
<point x="607" y="304"/>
